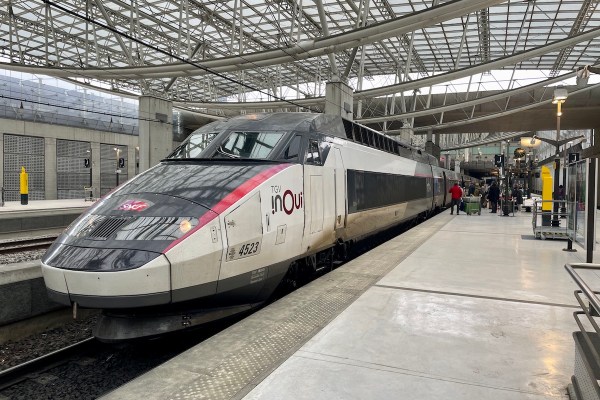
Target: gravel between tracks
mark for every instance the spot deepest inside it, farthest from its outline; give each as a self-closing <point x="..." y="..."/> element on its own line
<point x="27" y="255"/>
<point x="15" y="352"/>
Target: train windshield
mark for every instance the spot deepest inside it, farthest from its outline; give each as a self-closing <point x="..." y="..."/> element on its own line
<point x="248" y="144"/>
<point x="192" y="147"/>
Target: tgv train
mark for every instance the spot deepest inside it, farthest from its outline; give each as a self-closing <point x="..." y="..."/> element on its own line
<point x="241" y="205"/>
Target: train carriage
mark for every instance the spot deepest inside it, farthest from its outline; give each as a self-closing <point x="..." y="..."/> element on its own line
<point x="240" y="206"/>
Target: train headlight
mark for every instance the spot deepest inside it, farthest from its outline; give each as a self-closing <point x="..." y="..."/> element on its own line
<point x="185" y="225"/>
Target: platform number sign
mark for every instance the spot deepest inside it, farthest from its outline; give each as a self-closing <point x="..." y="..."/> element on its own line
<point x="86" y="162"/>
<point x="499" y="160"/>
<point x="121" y="163"/>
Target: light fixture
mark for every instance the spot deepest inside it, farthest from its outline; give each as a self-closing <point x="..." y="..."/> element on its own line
<point x="560" y="95"/>
<point x="530" y="141"/>
<point x="582" y="76"/>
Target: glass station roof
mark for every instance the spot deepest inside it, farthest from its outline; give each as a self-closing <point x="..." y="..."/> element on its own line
<point x="203" y="53"/>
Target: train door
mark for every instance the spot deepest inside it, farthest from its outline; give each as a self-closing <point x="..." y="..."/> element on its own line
<point x="314" y="196"/>
<point x="242" y="264"/>
<point x="340" y="189"/>
<point x="445" y="188"/>
<point x="315" y="207"/>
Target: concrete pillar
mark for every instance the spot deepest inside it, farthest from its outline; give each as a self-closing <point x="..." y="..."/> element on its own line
<point x="50" y="185"/>
<point x="433" y="148"/>
<point x="156" y="132"/>
<point x="339" y="100"/>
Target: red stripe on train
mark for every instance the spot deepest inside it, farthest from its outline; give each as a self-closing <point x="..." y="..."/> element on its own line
<point x="231" y="199"/>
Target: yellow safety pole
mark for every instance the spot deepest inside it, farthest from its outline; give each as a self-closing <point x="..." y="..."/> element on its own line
<point x="546" y="194"/>
<point x="24" y="179"/>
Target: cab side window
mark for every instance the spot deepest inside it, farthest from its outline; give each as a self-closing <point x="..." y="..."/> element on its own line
<point x="313" y="156"/>
<point x="292" y="152"/>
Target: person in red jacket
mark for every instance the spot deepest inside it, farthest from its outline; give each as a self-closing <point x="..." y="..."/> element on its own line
<point x="456" y="197"/>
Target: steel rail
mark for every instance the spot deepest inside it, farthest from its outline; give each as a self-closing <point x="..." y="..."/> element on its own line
<point x="11" y="376"/>
<point x="26" y="244"/>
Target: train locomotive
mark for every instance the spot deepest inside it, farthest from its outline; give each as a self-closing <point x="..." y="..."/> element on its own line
<point x="240" y="206"/>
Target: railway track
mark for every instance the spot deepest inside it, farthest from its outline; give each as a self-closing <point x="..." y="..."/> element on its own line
<point x="32" y="368"/>
<point x="20" y="245"/>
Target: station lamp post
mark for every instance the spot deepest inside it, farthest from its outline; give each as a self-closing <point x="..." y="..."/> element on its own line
<point x="530" y="143"/>
<point x="560" y="95"/>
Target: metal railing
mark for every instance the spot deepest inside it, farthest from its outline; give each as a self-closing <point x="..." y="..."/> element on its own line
<point x="547" y="224"/>
<point x="586" y="376"/>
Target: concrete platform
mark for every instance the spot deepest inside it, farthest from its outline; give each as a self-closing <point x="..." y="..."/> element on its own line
<point x="40" y="214"/>
<point x="460" y="307"/>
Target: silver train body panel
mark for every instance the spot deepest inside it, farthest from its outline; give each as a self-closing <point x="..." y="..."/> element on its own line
<point x="206" y="232"/>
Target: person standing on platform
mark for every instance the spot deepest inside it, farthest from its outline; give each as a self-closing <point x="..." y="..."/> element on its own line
<point x="518" y="197"/>
<point x="471" y="191"/>
<point x="494" y="196"/>
<point x="482" y="196"/>
<point x="457" y="193"/>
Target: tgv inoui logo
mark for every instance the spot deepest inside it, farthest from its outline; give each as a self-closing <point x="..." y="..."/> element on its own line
<point x="286" y="202"/>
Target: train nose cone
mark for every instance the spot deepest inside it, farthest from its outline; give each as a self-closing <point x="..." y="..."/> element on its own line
<point x="124" y="232"/>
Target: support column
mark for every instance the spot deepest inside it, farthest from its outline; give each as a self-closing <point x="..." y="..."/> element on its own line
<point x="339" y="99"/>
<point x="433" y="148"/>
<point x="50" y="180"/>
<point x="156" y="132"/>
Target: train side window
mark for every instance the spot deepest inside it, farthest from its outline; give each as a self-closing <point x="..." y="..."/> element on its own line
<point x="360" y="135"/>
<point x="348" y="127"/>
<point x="313" y="156"/>
<point x="371" y="139"/>
<point x="292" y="152"/>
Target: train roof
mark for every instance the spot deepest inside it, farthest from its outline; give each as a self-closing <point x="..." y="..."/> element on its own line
<point x="285" y="121"/>
<point x="309" y="123"/>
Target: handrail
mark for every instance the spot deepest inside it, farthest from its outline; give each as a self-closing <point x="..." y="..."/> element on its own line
<point x="591" y="311"/>
<point x="587" y="291"/>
